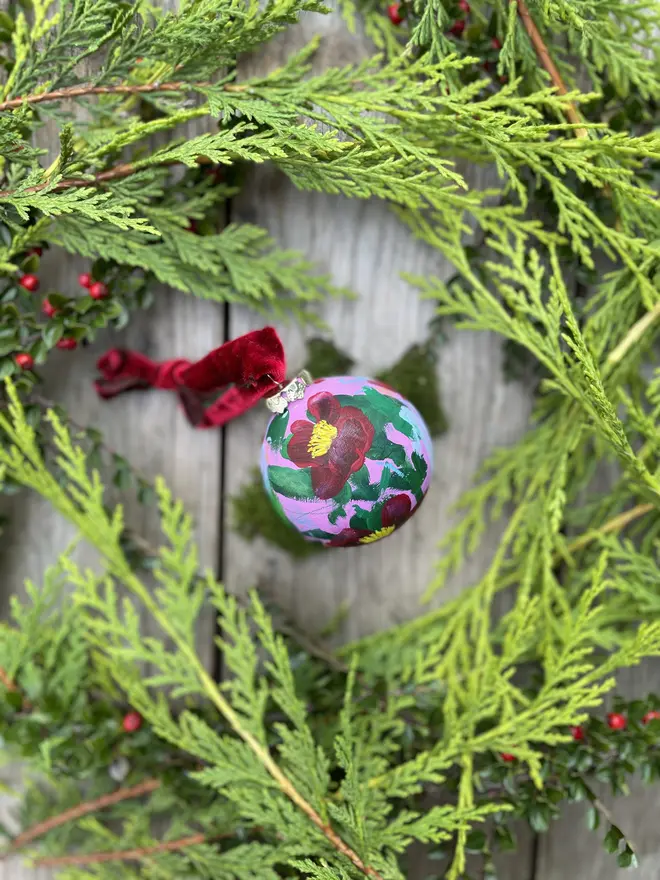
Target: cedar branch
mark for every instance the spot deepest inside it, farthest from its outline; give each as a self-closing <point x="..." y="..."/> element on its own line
<point x="83" y="809"/>
<point x="124" y="855"/>
<point x="615" y="524"/>
<point x="119" y="171"/>
<point x="546" y="60"/>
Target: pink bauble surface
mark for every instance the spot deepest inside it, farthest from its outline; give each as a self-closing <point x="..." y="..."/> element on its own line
<point x="349" y="463"/>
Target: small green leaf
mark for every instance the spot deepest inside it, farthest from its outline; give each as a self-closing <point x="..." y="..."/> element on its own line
<point x="7" y="346"/>
<point x="145" y="493"/>
<point x="593" y="818"/>
<point x="277" y="430"/>
<point x="291" y="482"/>
<point x="627" y="858"/>
<point x="334" y="515"/>
<point x="539" y="818"/>
<point x="344" y="496"/>
<point x="475" y="842"/>
<point x="612" y="839"/>
<point x="504" y="838"/>
<point x="52" y="333"/>
<point x="7" y="367"/>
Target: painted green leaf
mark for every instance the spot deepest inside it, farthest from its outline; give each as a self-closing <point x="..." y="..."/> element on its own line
<point x="277" y="430"/>
<point x="334" y="515"/>
<point x="385" y="478"/>
<point x="415" y="378"/>
<point x="360" y="519"/>
<point x="291" y="482"/>
<point x="259" y="513"/>
<point x="383" y="449"/>
<point x="421" y="466"/>
<point x="369" y="520"/>
<point x="318" y="533"/>
<point x="411" y="476"/>
<point x="363" y="490"/>
<point x="390" y="410"/>
<point x="344" y="496"/>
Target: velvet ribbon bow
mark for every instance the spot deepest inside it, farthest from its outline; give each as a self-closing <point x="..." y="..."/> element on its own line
<point x="254" y="365"/>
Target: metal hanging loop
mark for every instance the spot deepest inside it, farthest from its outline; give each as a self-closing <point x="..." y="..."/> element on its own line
<point x="286" y="394"/>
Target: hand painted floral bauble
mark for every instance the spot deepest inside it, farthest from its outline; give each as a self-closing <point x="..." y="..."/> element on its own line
<point x="347" y="462"/>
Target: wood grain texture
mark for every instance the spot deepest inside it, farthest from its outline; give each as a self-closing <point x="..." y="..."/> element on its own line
<point x="148" y="429"/>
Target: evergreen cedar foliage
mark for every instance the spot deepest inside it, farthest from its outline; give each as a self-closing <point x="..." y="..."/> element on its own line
<point x="445" y="729"/>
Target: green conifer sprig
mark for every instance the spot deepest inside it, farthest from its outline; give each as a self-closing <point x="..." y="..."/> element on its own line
<point x="479" y="686"/>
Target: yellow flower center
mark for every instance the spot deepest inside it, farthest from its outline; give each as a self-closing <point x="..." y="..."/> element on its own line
<point x="321" y="440"/>
<point x="376" y="536"/>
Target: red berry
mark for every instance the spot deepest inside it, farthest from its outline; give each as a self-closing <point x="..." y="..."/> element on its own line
<point x="35" y="251"/>
<point x="85" y="279"/>
<point x="394" y="13"/>
<point x="464" y="6"/>
<point x="507" y="756"/>
<point x="67" y="344"/>
<point x="457" y="28"/>
<point x="495" y="43"/>
<point x="132" y="722"/>
<point x="653" y="715"/>
<point x="48" y="308"/>
<point x="29" y="282"/>
<point x="577" y="733"/>
<point x="24" y="360"/>
<point x="98" y="290"/>
<point x="617" y="721"/>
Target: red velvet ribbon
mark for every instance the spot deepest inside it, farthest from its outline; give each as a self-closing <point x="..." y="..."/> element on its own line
<point x="254" y="365"/>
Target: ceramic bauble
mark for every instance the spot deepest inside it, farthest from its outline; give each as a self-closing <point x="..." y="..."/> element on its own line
<point x="346" y="461"/>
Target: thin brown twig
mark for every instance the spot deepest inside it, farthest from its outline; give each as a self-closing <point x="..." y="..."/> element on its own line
<point x="6" y="681"/>
<point x="633" y="335"/>
<point x="119" y="171"/>
<point x="11" y="686"/>
<point x="81" y="91"/>
<point x="613" y="525"/>
<point x="83" y="809"/>
<point x="124" y="855"/>
<point x="546" y="60"/>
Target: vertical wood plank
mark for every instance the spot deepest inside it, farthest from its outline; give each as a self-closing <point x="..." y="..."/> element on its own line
<point x="364" y="247"/>
<point x="148" y="429"/>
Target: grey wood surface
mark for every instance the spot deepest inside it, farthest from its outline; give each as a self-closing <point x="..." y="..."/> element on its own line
<point x="363" y="246"/>
<point x="149" y="430"/>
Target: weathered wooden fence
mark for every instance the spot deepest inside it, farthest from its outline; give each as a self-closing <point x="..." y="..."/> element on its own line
<point x="363" y="246"/>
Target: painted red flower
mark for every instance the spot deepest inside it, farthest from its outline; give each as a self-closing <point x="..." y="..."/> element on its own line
<point x="334" y="445"/>
<point x="394" y="513"/>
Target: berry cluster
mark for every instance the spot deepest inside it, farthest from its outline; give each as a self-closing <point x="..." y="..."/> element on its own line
<point x="615" y="721"/>
<point x="30" y="282"/>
